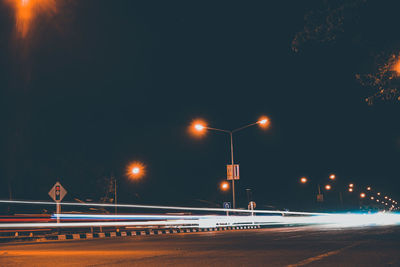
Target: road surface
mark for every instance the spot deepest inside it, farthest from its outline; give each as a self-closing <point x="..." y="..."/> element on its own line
<point x="297" y="246"/>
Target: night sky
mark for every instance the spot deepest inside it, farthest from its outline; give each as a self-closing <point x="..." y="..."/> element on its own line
<point x="99" y="84"/>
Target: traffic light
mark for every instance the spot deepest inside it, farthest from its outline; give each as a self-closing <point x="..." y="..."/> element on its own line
<point x="58" y="193"/>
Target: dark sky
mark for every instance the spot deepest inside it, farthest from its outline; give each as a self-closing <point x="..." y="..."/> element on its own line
<point x="104" y="83"/>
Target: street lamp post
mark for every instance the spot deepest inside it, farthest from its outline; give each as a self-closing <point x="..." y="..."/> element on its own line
<point x="200" y="127"/>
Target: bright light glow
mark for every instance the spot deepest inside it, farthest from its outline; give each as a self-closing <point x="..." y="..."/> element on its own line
<point x="263" y="122"/>
<point x="328" y="187"/>
<point x="369" y="188"/>
<point x="136" y="170"/>
<point x="351" y="189"/>
<point x="351" y="185"/>
<point x="362" y="195"/>
<point x="332" y="177"/>
<point x="198" y="128"/>
<point x="204" y="221"/>
<point x="26" y="11"/>
<point x="396" y="67"/>
<point x="303" y="180"/>
<point x="372" y="198"/>
<point x="224" y="186"/>
<point x="386" y="197"/>
<point x="379" y="193"/>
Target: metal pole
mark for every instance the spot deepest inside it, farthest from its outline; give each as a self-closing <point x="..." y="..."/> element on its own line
<point x="115" y="195"/>
<point x="233" y="172"/>
<point x="58" y="210"/>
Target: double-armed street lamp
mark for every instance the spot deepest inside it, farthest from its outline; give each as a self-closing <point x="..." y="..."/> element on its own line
<point x="200" y="127"/>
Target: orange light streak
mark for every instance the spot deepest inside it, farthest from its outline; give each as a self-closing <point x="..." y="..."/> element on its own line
<point x="26" y="11"/>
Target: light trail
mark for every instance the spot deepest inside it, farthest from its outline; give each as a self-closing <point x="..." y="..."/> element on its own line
<point x="252" y="217"/>
<point x="161" y="207"/>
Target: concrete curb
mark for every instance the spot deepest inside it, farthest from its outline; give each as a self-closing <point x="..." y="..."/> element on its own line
<point x="146" y="232"/>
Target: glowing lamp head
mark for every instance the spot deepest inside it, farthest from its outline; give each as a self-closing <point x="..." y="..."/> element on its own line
<point x="369" y="188"/>
<point x="263" y="122"/>
<point x="328" y="187"/>
<point x="372" y="198"/>
<point x="199" y="127"/>
<point x="136" y="170"/>
<point x="351" y="189"/>
<point x="386" y="197"/>
<point x="303" y="180"/>
<point x="224" y="186"/>
<point x="351" y="185"/>
<point x="362" y="195"/>
<point x="332" y="177"/>
<point x="379" y="193"/>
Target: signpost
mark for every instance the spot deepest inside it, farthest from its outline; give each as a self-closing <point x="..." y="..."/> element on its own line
<point x="232" y="175"/>
<point x="57" y="193"/>
<point x="226" y="205"/>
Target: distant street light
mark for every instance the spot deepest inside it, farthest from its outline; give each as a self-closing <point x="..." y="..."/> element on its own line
<point x="351" y="189"/>
<point x="332" y="177"/>
<point x="199" y="127"/>
<point x="224" y="186"/>
<point x="303" y="180"/>
<point x="328" y="187"/>
<point x="379" y="193"/>
<point x="362" y="195"/>
<point x="351" y="185"/>
<point x="369" y="188"/>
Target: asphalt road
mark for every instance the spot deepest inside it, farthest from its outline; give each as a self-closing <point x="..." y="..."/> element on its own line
<point x="297" y="246"/>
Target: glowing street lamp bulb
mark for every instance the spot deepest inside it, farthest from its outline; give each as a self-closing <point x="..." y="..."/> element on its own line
<point x="303" y="180"/>
<point x="350" y="189"/>
<point x="379" y="193"/>
<point x="135" y="170"/>
<point x="386" y="197"/>
<point x="351" y="185"/>
<point x="369" y="188"/>
<point x="328" y="187"/>
<point x="263" y="122"/>
<point x="332" y="177"/>
<point x="224" y="186"/>
<point x="372" y="198"/>
<point x="199" y="127"/>
<point x="362" y="195"/>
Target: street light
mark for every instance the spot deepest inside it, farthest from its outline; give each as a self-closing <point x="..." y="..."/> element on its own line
<point x="351" y="189"/>
<point x="362" y="195"/>
<point x="328" y="187"/>
<point x="369" y="188"/>
<point x="224" y="186"/>
<point x="303" y="180"/>
<point x="199" y="127"/>
<point x="332" y="177"/>
<point x="351" y="185"/>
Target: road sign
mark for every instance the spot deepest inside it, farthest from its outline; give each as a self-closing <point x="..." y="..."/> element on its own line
<point x="57" y="193"/>
<point x="227" y="205"/>
<point x="232" y="175"/>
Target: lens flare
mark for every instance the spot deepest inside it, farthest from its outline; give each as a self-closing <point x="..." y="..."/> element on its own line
<point x="198" y="128"/>
<point x="264" y="122"/>
<point x="27" y="11"/>
<point x="136" y="170"/>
